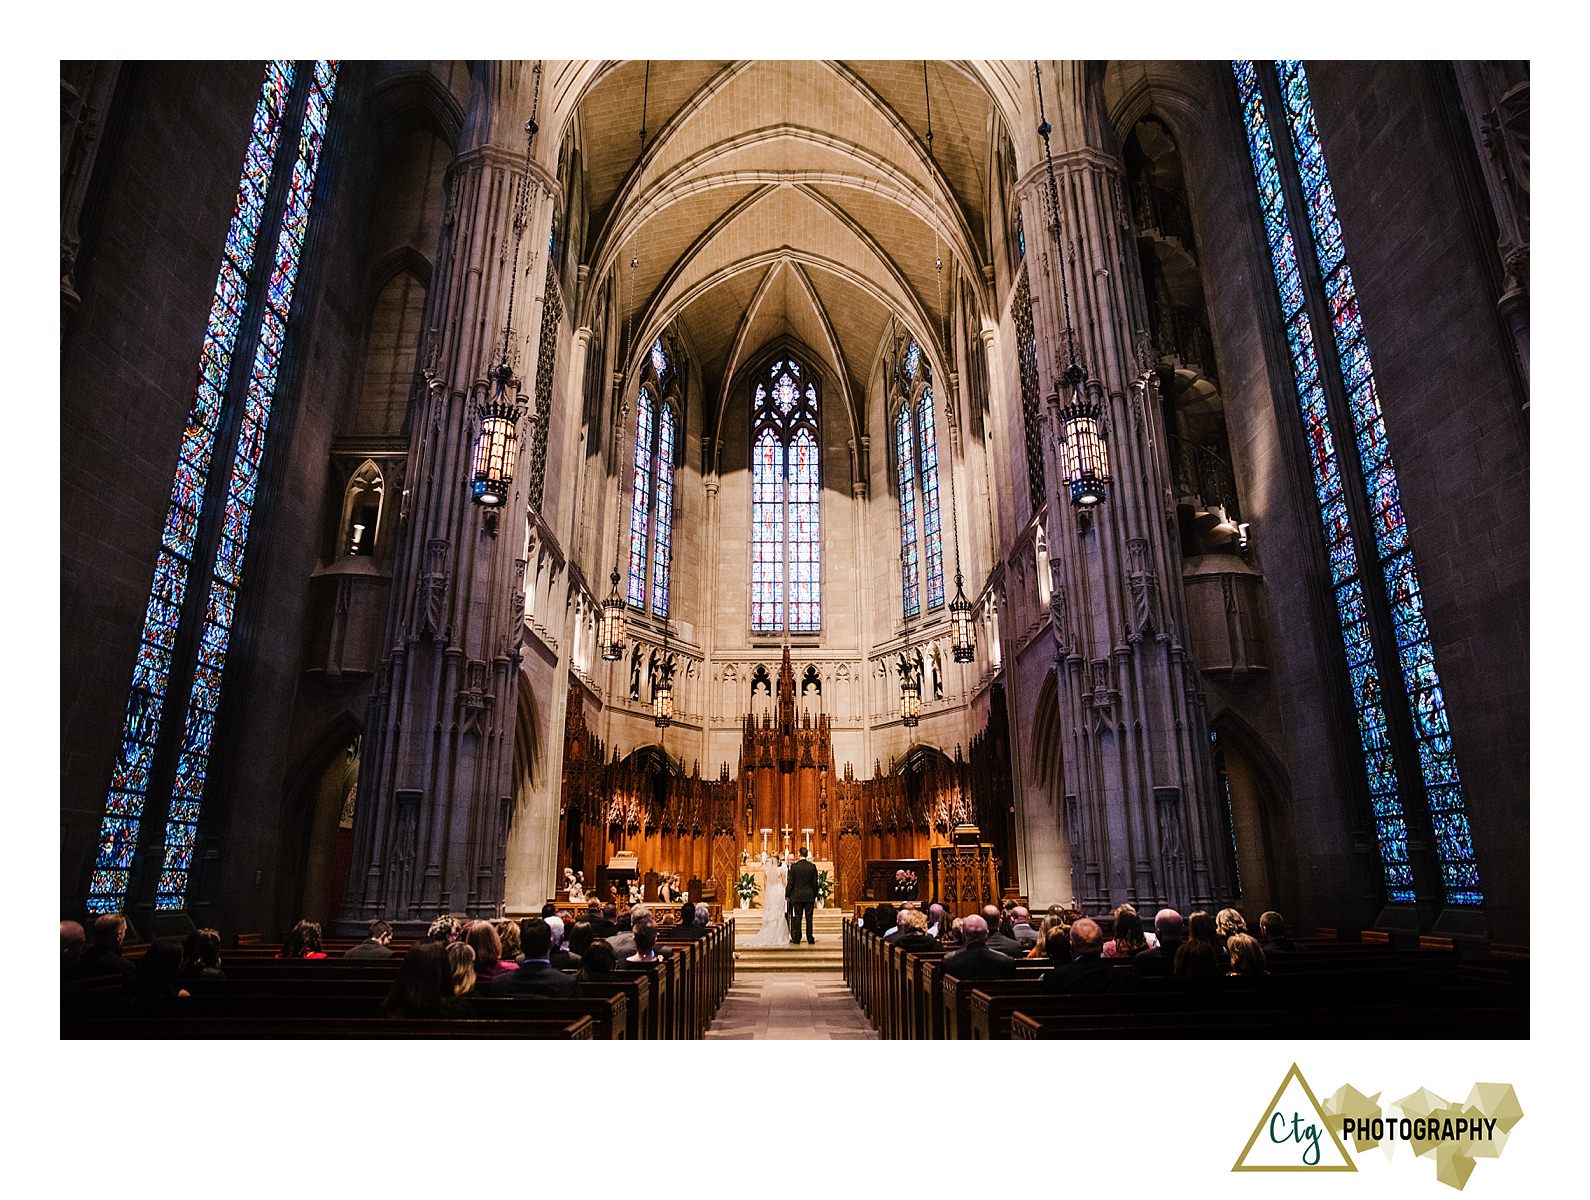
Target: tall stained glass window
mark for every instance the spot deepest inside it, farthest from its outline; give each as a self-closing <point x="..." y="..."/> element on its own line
<point x="248" y="303"/>
<point x="916" y="457"/>
<point x="1383" y="557"/>
<point x="640" y="495"/>
<point x="932" y="527"/>
<point x="905" y="465"/>
<point x="651" y="507"/>
<point x="786" y="501"/>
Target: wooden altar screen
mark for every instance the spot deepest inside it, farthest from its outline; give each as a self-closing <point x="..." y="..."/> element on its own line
<point x="965" y="877"/>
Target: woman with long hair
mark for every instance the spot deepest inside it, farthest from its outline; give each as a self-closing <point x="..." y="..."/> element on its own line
<point x="488" y="961"/>
<point x="159" y="980"/>
<point x="1247" y="957"/>
<point x="424" y="986"/>
<point x="1053" y="925"/>
<point x="1228" y="921"/>
<point x="461" y="960"/>
<point x="303" y="942"/>
<point x="508" y="934"/>
<point x="598" y="962"/>
<point x="1128" y="939"/>
<point x="201" y="955"/>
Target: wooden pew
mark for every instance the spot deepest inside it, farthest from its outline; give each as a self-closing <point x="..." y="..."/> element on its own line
<point x="222" y="1028"/>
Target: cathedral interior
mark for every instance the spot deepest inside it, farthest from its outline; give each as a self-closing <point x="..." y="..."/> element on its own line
<point x="473" y="471"/>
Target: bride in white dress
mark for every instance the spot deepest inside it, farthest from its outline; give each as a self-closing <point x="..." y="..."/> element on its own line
<point x="775" y="923"/>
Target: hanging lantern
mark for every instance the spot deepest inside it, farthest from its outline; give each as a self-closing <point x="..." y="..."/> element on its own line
<point x="962" y="641"/>
<point x="1085" y="458"/>
<point x="613" y="639"/>
<point x="910" y="701"/>
<point x="662" y="694"/>
<point x="496" y="441"/>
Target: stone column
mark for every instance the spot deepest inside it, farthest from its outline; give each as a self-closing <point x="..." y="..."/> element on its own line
<point x="437" y="792"/>
<point x="1135" y="749"/>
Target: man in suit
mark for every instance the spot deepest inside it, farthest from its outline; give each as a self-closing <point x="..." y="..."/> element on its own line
<point x="688" y="928"/>
<point x="1089" y="973"/>
<point x="998" y="939"/>
<point x="375" y="946"/>
<point x="800" y="893"/>
<point x="1021" y="928"/>
<point x="976" y="960"/>
<point x="536" y="976"/>
<point x="1171" y="932"/>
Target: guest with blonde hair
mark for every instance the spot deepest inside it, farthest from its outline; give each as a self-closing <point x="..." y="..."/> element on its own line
<point x="488" y="957"/>
<point x="1247" y="959"/>
<point x="461" y="961"/>
<point x="1227" y="922"/>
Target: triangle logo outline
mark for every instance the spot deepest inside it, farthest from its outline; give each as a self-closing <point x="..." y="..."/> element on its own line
<point x="1346" y="1164"/>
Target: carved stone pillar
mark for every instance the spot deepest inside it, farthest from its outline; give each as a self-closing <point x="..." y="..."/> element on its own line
<point x="1137" y="773"/>
<point x="437" y="795"/>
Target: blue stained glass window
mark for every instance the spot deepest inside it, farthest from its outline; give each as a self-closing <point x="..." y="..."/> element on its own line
<point x="125" y="799"/>
<point x="1416" y="652"/>
<point x="226" y="578"/>
<point x="905" y="463"/>
<point x="932" y="525"/>
<point x="786" y="502"/>
<point x="1345" y="563"/>
<point x="640" y="498"/>
<point x="662" y="549"/>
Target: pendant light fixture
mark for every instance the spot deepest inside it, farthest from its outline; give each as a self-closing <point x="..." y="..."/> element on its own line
<point x="498" y="408"/>
<point x="910" y="693"/>
<point x="1084" y="457"/>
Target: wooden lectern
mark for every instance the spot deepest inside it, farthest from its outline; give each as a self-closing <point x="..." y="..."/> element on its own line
<point x="966" y="874"/>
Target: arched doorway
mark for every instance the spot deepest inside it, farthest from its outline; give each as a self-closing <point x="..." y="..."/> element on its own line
<point x="1252" y="792"/>
<point x="326" y="800"/>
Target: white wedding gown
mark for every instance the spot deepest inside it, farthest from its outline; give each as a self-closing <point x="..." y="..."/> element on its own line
<point x="775" y="922"/>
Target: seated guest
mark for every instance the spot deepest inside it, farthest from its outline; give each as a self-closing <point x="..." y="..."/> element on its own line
<point x="688" y="929"/>
<point x="548" y="909"/>
<point x="1160" y="960"/>
<point x="892" y="935"/>
<point x="73" y="939"/>
<point x="624" y="938"/>
<point x="1201" y="928"/>
<point x="487" y="959"/>
<point x="913" y="933"/>
<point x="998" y="938"/>
<point x="1247" y="960"/>
<point x="508" y="934"/>
<point x="1021" y="928"/>
<point x="935" y="915"/>
<point x="1227" y="922"/>
<point x="977" y="961"/>
<point x="606" y="925"/>
<point x="536" y="975"/>
<point x="441" y="930"/>
<point x="1088" y="974"/>
<point x="201" y="955"/>
<point x="645" y="942"/>
<point x="1197" y="965"/>
<point x="703" y="917"/>
<point x="424" y="986"/>
<point x="580" y="938"/>
<point x="1274" y="937"/>
<point x="1054" y="931"/>
<point x="461" y="962"/>
<point x="376" y="946"/>
<point x="303" y="942"/>
<point x="953" y="936"/>
<point x="104" y="957"/>
<point x="159" y="980"/>
<point x="563" y="958"/>
<point x="1128" y="939"/>
<point x="884" y="918"/>
<point x="598" y="963"/>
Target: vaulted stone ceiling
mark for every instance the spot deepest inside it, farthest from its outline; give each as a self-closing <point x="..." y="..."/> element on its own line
<point x="791" y="199"/>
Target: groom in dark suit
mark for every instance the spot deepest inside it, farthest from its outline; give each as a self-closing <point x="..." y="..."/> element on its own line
<point x="801" y="893"/>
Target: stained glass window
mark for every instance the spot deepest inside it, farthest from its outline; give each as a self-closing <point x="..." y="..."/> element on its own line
<point x="130" y="779"/>
<point x="932" y="528"/>
<point x="640" y="497"/>
<point x="1031" y="417"/>
<point x="227" y="576"/>
<point x="905" y="462"/>
<point x="1415" y="653"/>
<point x="1393" y="557"/>
<point x="663" y="540"/>
<point x="786" y="502"/>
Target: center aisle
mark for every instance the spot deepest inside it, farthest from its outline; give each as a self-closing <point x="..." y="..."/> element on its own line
<point x="792" y="993"/>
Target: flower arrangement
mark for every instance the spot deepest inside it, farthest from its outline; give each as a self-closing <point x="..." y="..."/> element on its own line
<point x="746" y="887"/>
<point x="825" y="886"/>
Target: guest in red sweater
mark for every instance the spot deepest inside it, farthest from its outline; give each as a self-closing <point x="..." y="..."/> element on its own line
<point x="303" y="942"/>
